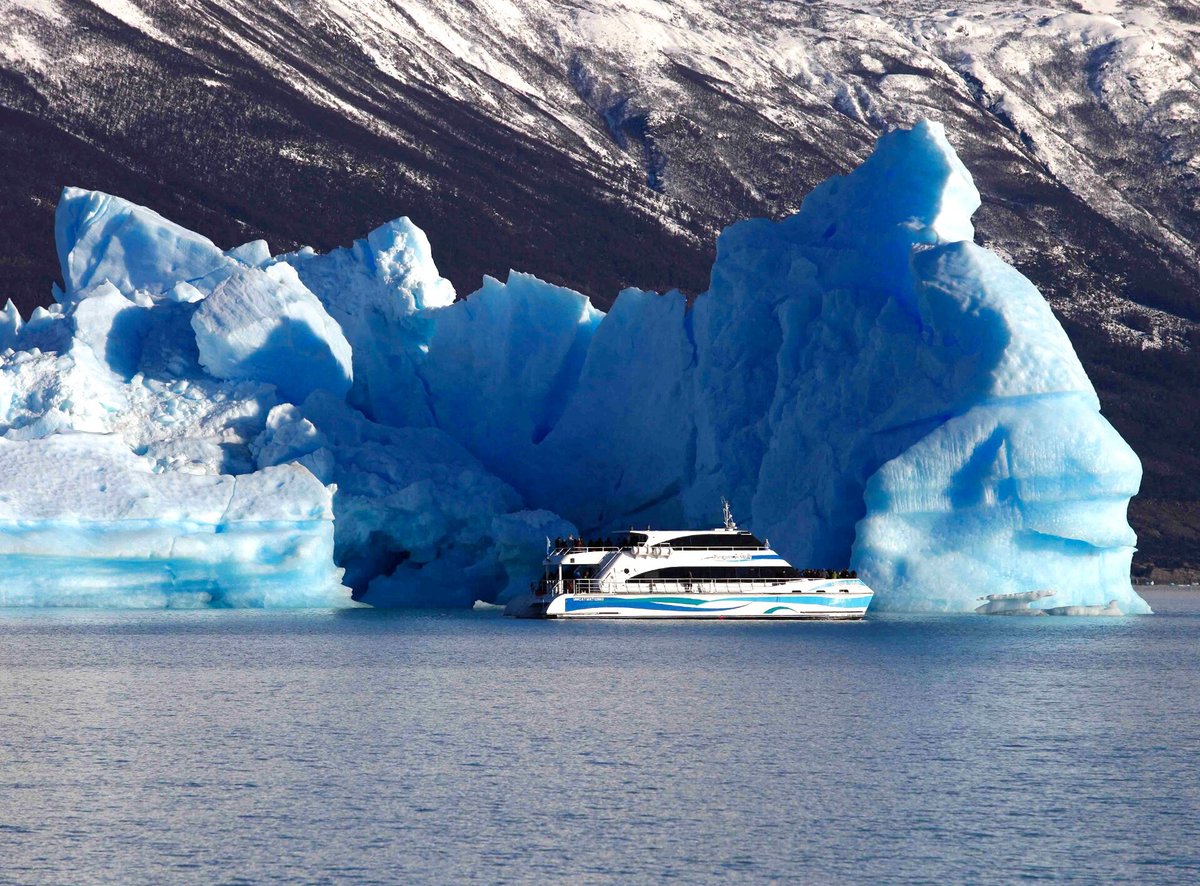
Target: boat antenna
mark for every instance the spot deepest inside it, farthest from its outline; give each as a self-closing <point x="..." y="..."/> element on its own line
<point x="727" y="514"/>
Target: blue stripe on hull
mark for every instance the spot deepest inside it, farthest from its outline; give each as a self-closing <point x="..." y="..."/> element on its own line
<point x="784" y="606"/>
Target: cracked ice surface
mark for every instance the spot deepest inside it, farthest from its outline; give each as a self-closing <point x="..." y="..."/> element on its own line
<point x="864" y="383"/>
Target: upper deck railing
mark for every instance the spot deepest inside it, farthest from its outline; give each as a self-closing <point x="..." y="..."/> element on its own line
<point x="582" y="549"/>
<point x="675" y="586"/>
<point x="655" y="550"/>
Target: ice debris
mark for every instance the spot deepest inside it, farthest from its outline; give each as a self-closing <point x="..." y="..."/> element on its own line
<point x="867" y="385"/>
<point x="1021" y="603"/>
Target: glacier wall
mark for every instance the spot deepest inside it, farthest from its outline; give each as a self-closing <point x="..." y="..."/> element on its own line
<point x="867" y="386"/>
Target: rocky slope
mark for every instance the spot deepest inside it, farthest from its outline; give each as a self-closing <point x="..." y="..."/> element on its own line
<point x="602" y="144"/>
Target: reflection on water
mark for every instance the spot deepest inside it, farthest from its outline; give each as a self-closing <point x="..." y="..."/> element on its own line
<point x="368" y="746"/>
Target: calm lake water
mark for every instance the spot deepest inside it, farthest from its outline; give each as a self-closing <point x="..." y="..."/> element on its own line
<point x="381" y="747"/>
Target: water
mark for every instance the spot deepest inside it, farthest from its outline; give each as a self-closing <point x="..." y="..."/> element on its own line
<point x="372" y="747"/>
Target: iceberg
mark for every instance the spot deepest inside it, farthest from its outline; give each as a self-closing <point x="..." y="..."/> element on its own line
<point x="868" y="386"/>
<point x="85" y="522"/>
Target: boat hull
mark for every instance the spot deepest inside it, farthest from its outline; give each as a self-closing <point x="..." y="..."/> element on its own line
<point x="814" y="606"/>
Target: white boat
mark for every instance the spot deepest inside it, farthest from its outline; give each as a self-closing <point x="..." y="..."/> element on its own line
<point x="717" y="573"/>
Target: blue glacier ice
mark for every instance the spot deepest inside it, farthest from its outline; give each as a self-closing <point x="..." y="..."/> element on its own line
<point x="84" y="521"/>
<point x="379" y="291"/>
<point x="192" y="426"/>
<point x="266" y="325"/>
<point x="104" y="238"/>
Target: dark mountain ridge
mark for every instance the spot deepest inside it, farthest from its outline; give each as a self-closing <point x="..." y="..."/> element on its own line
<point x="600" y="146"/>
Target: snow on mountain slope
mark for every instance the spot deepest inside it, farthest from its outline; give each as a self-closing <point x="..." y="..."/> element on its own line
<point x="602" y="144"/>
<point x="696" y="110"/>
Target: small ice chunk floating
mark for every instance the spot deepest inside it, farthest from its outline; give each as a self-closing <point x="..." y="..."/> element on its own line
<point x="1021" y="604"/>
<point x="192" y="426"/>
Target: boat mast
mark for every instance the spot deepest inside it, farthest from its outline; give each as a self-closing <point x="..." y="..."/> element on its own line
<point x="728" y="515"/>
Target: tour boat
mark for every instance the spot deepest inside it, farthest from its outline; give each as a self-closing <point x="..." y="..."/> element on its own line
<point x="717" y="573"/>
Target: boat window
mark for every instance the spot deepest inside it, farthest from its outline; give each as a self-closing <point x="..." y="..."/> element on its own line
<point x="736" y="541"/>
<point x="632" y="539"/>
<point x="718" y="573"/>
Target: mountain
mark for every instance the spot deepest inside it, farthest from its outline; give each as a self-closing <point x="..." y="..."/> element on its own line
<point x="603" y="144"/>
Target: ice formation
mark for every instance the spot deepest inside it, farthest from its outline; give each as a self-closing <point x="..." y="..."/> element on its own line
<point x="1020" y="603"/>
<point x="84" y="521"/>
<point x="266" y="325"/>
<point x="868" y="386"/>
